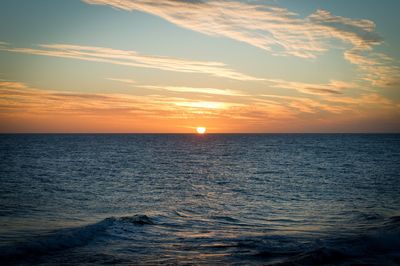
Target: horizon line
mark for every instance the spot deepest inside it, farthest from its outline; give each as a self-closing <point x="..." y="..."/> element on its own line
<point x="183" y="133"/>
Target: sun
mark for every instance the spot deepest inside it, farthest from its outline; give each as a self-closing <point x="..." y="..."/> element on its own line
<point x="201" y="130"/>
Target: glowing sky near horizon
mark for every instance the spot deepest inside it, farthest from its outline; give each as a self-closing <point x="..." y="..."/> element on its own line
<point x="169" y="66"/>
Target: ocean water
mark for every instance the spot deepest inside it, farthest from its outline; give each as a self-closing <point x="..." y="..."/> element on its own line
<point x="287" y="199"/>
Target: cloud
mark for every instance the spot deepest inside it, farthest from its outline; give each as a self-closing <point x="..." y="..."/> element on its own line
<point x="16" y="97"/>
<point x="263" y="26"/>
<point x="307" y="105"/>
<point x="205" y="105"/>
<point x="125" y="81"/>
<point x="25" y="108"/>
<point x="333" y="87"/>
<point x="365" y="101"/>
<point x="212" y="91"/>
<point x="132" y="59"/>
<point x="377" y="69"/>
<point x="359" y="33"/>
<point x="181" y="89"/>
<point x="274" y="29"/>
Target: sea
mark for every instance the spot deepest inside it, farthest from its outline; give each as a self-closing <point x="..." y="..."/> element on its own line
<point x="212" y="199"/>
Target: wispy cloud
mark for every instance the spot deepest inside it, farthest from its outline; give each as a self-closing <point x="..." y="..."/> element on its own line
<point x="377" y="69"/>
<point x="18" y="97"/>
<point x="181" y="89"/>
<point x="335" y="104"/>
<point x="307" y="105"/>
<point x="212" y="91"/>
<point x="333" y="87"/>
<point x="206" y="105"/>
<point x="132" y="59"/>
<point x="274" y="29"/>
<point x="365" y="100"/>
<point x="263" y="26"/>
<point x="125" y="81"/>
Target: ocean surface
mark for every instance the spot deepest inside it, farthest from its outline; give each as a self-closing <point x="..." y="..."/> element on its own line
<point x="245" y="199"/>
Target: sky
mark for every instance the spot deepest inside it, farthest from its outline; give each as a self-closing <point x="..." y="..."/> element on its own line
<point x="169" y="66"/>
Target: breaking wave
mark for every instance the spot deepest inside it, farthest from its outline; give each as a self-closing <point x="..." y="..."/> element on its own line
<point x="378" y="245"/>
<point x="66" y="238"/>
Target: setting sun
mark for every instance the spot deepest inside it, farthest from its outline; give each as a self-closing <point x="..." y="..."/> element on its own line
<point x="201" y="130"/>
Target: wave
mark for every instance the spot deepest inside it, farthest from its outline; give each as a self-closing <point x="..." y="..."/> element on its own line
<point x="379" y="246"/>
<point x="66" y="238"/>
<point x="137" y="219"/>
<point x="372" y="250"/>
<point x="225" y="219"/>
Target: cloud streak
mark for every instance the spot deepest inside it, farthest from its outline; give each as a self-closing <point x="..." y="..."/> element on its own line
<point x="181" y="89"/>
<point x="132" y="59"/>
<point x="211" y="91"/>
<point x="333" y="87"/>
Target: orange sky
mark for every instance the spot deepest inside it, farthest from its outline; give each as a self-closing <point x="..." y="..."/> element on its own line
<point x="166" y="67"/>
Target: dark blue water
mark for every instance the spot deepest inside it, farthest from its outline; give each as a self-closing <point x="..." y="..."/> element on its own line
<point x="297" y="199"/>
